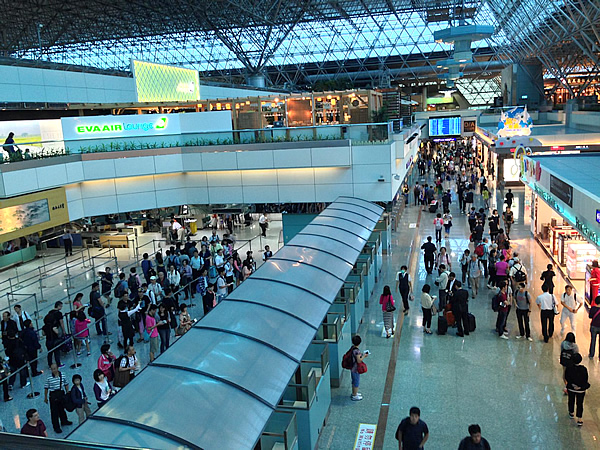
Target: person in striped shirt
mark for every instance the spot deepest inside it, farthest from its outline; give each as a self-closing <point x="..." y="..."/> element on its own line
<point x="56" y="385"/>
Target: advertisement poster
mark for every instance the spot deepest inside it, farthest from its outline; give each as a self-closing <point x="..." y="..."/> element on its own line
<point x="28" y="214"/>
<point x="33" y="134"/>
<point x="515" y="122"/>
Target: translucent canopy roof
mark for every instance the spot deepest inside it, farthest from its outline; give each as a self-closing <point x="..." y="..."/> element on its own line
<point x="217" y="386"/>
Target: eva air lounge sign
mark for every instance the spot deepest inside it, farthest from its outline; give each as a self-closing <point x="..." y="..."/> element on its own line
<point x="103" y="127"/>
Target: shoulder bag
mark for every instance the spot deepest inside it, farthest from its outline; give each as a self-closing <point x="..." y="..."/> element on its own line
<point x="389" y="307"/>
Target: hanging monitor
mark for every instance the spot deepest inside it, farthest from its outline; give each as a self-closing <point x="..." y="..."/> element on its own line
<point x="445" y="126"/>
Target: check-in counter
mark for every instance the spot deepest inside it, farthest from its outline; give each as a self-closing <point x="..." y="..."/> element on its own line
<point x="359" y="274"/>
<point x="341" y="305"/>
<point x="384" y="227"/>
<point x="350" y="292"/>
<point x="309" y="394"/>
<point x="335" y="331"/>
<point x="371" y="250"/>
<point x="281" y="432"/>
<point x="376" y="241"/>
<point x="18" y="257"/>
<point x="370" y="274"/>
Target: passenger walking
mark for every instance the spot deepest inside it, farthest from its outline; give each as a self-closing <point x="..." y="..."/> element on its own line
<point x="443" y="258"/>
<point x="429" y="250"/>
<point x="460" y="309"/>
<point x="464" y="265"/>
<point x="577" y="384"/>
<point x="568" y="348"/>
<point x="523" y="303"/>
<point x="474" y="441"/>
<point x="594" y="325"/>
<point x="508" y="219"/>
<point x="501" y="299"/>
<point x="404" y="286"/>
<point x="571" y="304"/>
<point x="438" y="224"/>
<point x="447" y="223"/>
<point x="546" y="303"/>
<point x="358" y="357"/>
<point x="412" y="433"/>
<point x="475" y="273"/>
<point x="388" y="307"/>
<point x="427" y="305"/>
<point x="548" y="279"/>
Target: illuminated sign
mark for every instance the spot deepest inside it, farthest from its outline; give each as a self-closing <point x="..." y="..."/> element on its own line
<point x="101" y="127"/>
<point x="562" y="190"/>
<point x="439" y="100"/>
<point x="445" y="126"/>
<point x="163" y="83"/>
<point x="469" y="126"/>
<point x="598" y="215"/>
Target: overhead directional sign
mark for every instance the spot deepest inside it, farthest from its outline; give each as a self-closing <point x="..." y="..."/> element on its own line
<point x="562" y="190"/>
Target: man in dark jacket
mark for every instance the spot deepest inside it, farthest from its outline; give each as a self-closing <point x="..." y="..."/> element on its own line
<point x="474" y="441"/>
<point x="9" y="333"/>
<point x="460" y="309"/>
<point x="32" y="345"/>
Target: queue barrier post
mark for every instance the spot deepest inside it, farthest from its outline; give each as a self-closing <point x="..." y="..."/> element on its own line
<point x="33" y="394"/>
<point x="76" y="363"/>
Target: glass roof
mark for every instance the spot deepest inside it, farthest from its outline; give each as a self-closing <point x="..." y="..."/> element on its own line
<point x="232" y="367"/>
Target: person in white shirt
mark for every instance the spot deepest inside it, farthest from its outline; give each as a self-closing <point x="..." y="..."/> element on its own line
<point x="173" y="277"/>
<point x="546" y="303"/>
<point x="263" y="223"/>
<point x="571" y="305"/>
<point x="475" y="273"/>
<point x="219" y="259"/>
<point x="517" y="273"/>
<point x="20" y="317"/>
<point x="442" y="282"/>
<point x="438" y="223"/>
<point x="155" y="288"/>
<point x="222" y="285"/>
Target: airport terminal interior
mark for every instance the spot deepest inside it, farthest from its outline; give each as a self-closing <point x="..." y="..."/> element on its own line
<point x="300" y="225"/>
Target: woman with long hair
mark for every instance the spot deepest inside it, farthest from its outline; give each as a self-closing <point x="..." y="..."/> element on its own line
<point x="388" y="307"/>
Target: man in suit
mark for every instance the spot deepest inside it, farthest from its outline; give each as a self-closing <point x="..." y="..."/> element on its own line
<point x="9" y="333"/>
<point x="460" y="308"/>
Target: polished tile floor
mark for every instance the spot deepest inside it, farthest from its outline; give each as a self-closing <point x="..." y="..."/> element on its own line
<point x="12" y="414"/>
<point x="513" y="388"/>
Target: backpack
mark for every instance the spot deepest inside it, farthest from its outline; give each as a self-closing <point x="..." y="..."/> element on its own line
<point x="496" y="302"/>
<point x="348" y="359"/>
<point x="479" y="250"/>
<point x="520" y="276"/>
<point x="119" y="290"/>
<point x="133" y="284"/>
<point x="566" y="357"/>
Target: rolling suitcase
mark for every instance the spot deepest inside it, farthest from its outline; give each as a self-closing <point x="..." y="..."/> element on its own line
<point x="472" y="325"/>
<point x="433" y="206"/>
<point x="442" y="327"/>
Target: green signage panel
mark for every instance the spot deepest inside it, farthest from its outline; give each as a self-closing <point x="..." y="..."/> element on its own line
<point x="162" y="83"/>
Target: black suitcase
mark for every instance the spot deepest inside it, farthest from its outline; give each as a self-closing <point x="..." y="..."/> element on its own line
<point x="433" y="206"/>
<point x="471" y="320"/>
<point x="442" y="327"/>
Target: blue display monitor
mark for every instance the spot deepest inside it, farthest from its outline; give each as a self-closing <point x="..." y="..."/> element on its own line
<point x="445" y="126"/>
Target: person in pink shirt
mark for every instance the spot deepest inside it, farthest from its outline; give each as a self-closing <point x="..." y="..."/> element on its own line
<point x="388" y="307"/>
<point x="151" y="326"/>
<point x="501" y="270"/>
<point x="105" y="362"/>
<point x="82" y="332"/>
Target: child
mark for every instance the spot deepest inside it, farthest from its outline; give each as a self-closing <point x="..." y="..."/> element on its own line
<point x="82" y="332"/>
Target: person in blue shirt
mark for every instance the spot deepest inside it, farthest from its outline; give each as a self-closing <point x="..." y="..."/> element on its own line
<point x="146" y="267"/>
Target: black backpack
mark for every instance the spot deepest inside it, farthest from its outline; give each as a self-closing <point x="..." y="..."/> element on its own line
<point x="133" y="284"/>
<point x="566" y="357"/>
<point x="520" y="276"/>
<point x="496" y="302"/>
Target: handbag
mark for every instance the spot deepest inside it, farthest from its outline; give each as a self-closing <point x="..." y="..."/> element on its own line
<point x="388" y="306"/>
<point x="361" y="367"/>
<point x="121" y="378"/>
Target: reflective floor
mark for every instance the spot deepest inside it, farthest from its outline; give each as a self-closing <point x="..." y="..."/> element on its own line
<point x="82" y="272"/>
<point x="511" y="388"/>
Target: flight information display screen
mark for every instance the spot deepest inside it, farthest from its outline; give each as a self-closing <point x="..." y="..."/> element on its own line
<point x="445" y="126"/>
